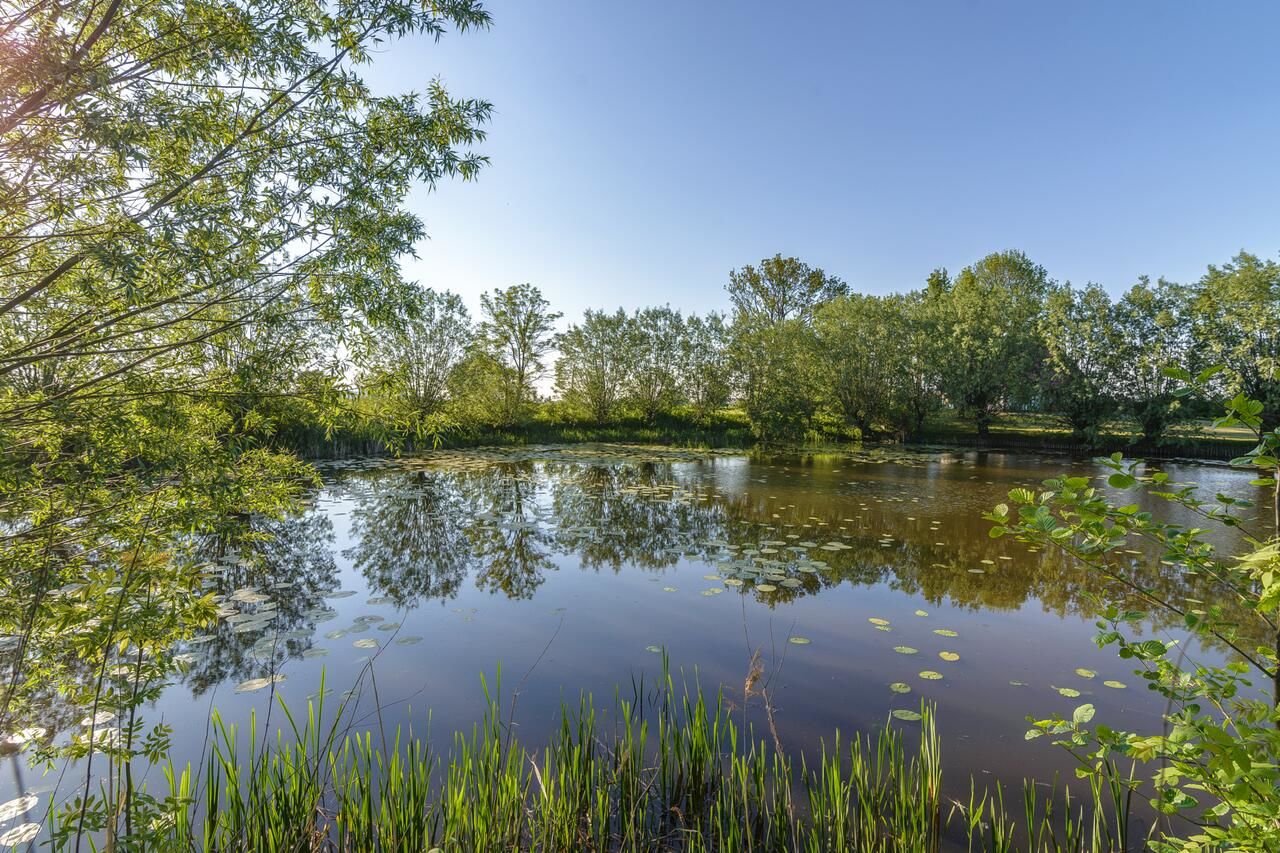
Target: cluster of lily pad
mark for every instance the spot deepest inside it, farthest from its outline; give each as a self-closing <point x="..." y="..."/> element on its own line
<point x="769" y="564"/>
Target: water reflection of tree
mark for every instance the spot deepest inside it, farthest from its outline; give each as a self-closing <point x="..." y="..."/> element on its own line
<point x="290" y="560"/>
<point x="612" y="516"/>
<point x="420" y="533"/>
<point x="511" y="548"/>
<point x="410" y="531"/>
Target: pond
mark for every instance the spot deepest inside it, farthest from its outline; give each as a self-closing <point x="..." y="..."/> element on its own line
<point x="865" y="582"/>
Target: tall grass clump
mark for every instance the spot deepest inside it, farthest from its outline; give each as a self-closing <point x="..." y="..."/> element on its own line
<point x="666" y="770"/>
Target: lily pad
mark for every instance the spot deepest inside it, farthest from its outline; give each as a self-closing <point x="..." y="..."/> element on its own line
<point x="669" y="589"/>
<point x="922" y="613"/>
<point x="876" y="621"/>
<point x="20" y="834"/>
<point x="408" y="641"/>
<point x="949" y="656"/>
<point x="766" y="587"/>
<point x="366" y="643"/>
<point x="1085" y="673"/>
<point x="930" y="675"/>
<point x="22" y="805"/>
<point x="799" y="641"/>
<point x="1117" y="685"/>
<point x="256" y="684"/>
<point x="903" y="714"/>
<point x="900" y="687"/>
<point x="945" y="632"/>
<point x="1069" y="692"/>
<point x="657" y="650"/>
<point x="905" y="650"/>
<point x="317" y="652"/>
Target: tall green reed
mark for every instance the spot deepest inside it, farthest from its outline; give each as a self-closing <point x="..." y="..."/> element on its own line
<point x="667" y="769"/>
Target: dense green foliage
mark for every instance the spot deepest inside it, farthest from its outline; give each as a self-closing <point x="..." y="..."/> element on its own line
<point x="1217" y="761"/>
<point x="805" y="358"/>
<point x="201" y="221"/>
<point x="200" y="204"/>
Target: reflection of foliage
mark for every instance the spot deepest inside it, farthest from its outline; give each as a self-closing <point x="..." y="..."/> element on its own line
<point x="506" y="515"/>
<point x="289" y="560"/>
<point x="410" y="530"/>
<point x="511" y="546"/>
<point x="621" y="514"/>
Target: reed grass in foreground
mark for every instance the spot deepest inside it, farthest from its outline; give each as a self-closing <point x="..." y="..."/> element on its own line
<point x="669" y="771"/>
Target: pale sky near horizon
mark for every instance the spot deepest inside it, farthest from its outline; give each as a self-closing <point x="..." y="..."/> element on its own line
<point x="642" y="150"/>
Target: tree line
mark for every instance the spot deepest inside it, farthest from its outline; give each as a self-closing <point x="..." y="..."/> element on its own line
<point x="800" y="352"/>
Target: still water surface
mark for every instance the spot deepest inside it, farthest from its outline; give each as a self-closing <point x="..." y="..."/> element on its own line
<point x="570" y="569"/>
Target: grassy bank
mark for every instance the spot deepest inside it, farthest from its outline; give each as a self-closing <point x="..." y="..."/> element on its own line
<point x="668" y="770"/>
<point x="1037" y="432"/>
<point x="730" y="428"/>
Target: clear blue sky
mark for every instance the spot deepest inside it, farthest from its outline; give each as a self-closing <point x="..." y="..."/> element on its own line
<point x="641" y="150"/>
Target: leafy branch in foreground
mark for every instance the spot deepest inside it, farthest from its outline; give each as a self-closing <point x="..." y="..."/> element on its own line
<point x="199" y="201"/>
<point x="1217" y="760"/>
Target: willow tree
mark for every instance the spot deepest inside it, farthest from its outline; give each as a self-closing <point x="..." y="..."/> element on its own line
<point x="1084" y="344"/>
<point x="1235" y="322"/>
<point x="705" y="380"/>
<point x="179" y="178"/>
<point x="989" y="349"/>
<point x="414" y="362"/>
<point x="515" y="335"/>
<point x="771" y="351"/>
<point x="779" y="289"/>
<point x="597" y="360"/>
<point x="1153" y="324"/>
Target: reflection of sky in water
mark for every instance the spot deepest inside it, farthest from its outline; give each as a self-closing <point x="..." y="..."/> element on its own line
<point x="464" y="565"/>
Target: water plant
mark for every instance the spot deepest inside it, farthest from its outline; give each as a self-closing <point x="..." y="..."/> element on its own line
<point x="667" y="769"/>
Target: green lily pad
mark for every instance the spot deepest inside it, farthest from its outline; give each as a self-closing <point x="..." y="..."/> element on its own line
<point x="21" y="805"/>
<point x="1085" y="673"/>
<point x="1117" y="685"/>
<point x="799" y="641"/>
<point x="1069" y="692"/>
<point x="922" y="613"/>
<point x="949" y="656"/>
<point x="766" y="587"/>
<point x="367" y="643"/>
<point x="655" y="649"/>
<point x="930" y="675"/>
<point x="408" y="641"/>
<point x="257" y="683"/>
<point x="909" y="716"/>
<point x="945" y="632"/>
<point x="905" y="650"/>
<point x="669" y="589"/>
<point x="900" y="687"/>
<point x="880" y="622"/>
